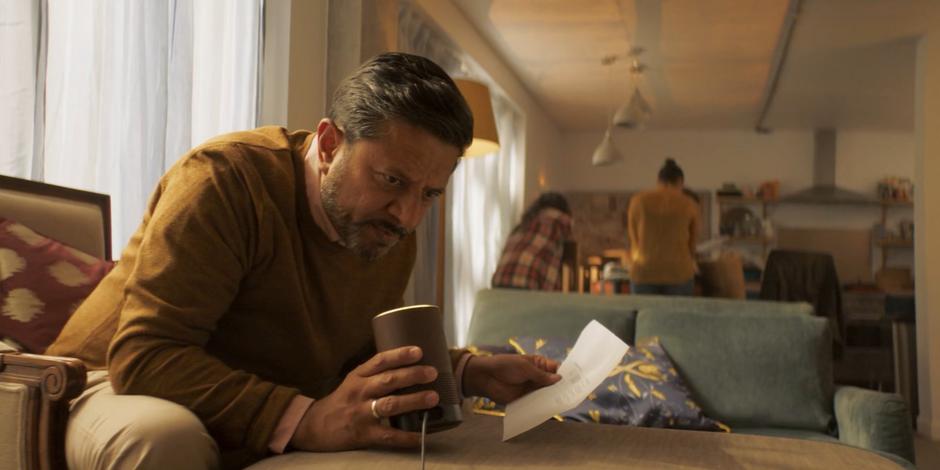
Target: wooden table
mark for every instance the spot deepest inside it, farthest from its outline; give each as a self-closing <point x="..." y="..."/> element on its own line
<point x="477" y="444"/>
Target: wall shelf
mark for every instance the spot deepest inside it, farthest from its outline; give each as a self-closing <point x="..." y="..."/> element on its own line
<point x="888" y="243"/>
<point x="886" y="205"/>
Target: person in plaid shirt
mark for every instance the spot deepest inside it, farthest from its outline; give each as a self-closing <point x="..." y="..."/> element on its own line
<point x="531" y="258"/>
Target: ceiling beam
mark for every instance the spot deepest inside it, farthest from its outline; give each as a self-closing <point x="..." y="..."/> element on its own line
<point x="779" y="59"/>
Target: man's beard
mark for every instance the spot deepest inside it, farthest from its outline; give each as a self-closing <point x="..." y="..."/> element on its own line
<point x="351" y="234"/>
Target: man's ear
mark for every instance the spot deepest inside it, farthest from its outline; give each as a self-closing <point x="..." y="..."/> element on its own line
<point x="329" y="139"/>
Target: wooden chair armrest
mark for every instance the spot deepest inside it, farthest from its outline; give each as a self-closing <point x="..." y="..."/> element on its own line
<point x="51" y="383"/>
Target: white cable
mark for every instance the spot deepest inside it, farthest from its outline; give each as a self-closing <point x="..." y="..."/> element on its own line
<point x="424" y="428"/>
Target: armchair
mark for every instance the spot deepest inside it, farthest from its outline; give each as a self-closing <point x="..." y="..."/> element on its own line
<point x="35" y="390"/>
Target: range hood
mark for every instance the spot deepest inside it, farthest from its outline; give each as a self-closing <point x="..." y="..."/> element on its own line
<point x="824" y="189"/>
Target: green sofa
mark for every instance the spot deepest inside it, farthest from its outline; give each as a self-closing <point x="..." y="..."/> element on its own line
<point x="760" y="367"/>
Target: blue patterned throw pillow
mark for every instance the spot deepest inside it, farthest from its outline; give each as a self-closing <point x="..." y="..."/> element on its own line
<point x="643" y="390"/>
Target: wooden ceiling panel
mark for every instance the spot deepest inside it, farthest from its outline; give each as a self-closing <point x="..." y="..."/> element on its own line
<point x="721" y="30"/>
<point x="851" y="62"/>
<point x="551" y="13"/>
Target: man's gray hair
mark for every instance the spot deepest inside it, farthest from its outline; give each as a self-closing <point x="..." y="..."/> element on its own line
<point x="402" y="86"/>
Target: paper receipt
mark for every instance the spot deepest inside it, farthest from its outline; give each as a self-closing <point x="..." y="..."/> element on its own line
<point x="594" y="355"/>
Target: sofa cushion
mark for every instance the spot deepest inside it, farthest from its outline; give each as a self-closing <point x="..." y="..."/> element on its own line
<point x="42" y="282"/>
<point x="751" y="369"/>
<point x="643" y="390"/>
<point x="501" y="313"/>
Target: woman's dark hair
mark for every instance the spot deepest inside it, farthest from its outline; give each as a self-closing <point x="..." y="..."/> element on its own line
<point x="403" y="86"/>
<point x="546" y="200"/>
<point x="670" y="173"/>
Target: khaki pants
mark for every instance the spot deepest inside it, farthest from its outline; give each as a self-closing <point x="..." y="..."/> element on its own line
<point x="109" y="431"/>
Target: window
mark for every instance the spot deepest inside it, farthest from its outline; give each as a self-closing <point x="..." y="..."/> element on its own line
<point x="129" y="87"/>
<point x="20" y="34"/>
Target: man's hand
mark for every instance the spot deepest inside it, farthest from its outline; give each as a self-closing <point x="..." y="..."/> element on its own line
<point x="505" y="377"/>
<point x="343" y="420"/>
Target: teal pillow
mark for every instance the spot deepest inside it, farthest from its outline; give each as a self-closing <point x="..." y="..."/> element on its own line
<point x="643" y="390"/>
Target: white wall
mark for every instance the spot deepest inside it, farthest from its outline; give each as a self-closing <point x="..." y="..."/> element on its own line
<point x="710" y="158"/>
<point x="864" y="157"/>
<point x="927" y="233"/>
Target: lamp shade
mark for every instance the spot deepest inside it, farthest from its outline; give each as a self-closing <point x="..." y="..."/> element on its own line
<point x="485" y="138"/>
<point x="635" y="113"/>
<point x="606" y="153"/>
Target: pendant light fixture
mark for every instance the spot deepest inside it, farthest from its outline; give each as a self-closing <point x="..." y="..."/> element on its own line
<point x="635" y="113"/>
<point x="606" y="152"/>
<point x="485" y="137"/>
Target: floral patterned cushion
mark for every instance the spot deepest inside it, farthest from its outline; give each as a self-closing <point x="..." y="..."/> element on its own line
<point x="643" y="390"/>
<point x="42" y="282"/>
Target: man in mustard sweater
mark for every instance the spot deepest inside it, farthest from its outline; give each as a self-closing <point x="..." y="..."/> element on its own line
<point x="237" y="323"/>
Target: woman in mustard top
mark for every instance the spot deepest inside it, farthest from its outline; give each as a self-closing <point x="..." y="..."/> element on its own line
<point x="662" y="224"/>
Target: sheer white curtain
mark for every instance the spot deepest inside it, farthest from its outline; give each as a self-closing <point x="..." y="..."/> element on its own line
<point x="20" y="35"/>
<point x="226" y="58"/>
<point x="105" y="102"/>
<point x="132" y="85"/>
<point x="484" y="196"/>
